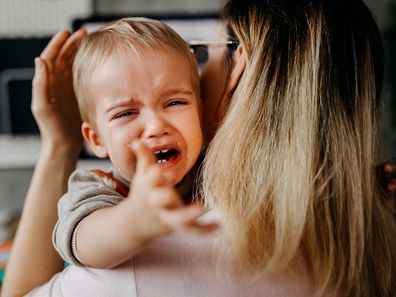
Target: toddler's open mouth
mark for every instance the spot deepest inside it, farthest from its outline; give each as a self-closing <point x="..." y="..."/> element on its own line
<point x="166" y="155"/>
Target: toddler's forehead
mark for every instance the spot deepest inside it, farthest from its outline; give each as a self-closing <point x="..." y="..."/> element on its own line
<point x="184" y="56"/>
<point x="145" y="54"/>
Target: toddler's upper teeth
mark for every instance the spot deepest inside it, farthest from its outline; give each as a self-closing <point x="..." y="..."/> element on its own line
<point x="162" y="151"/>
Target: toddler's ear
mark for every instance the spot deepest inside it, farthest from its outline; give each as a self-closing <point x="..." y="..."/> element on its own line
<point x="93" y="140"/>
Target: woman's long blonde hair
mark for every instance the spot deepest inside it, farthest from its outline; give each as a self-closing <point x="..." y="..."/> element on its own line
<point x="291" y="168"/>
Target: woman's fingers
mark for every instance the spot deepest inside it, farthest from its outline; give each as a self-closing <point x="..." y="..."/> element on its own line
<point x="53" y="48"/>
<point x="389" y="168"/>
<point x="39" y="85"/>
<point x="392" y="185"/>
<point x="69" y="49"/>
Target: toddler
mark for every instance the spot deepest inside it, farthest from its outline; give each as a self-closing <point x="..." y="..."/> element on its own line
<point x="137" y="87"/>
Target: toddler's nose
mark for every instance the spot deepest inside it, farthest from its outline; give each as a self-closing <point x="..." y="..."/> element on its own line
<point x="155" y="125"/>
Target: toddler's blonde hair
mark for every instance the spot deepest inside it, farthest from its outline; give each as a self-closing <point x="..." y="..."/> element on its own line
<point x="136" y="34"/>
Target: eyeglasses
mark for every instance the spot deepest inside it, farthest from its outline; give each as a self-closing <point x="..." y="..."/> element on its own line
<point x="200" y="48"/>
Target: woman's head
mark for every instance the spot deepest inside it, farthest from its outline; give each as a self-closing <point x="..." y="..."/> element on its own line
<point x="284" y="29"/>
<point x="219" y="77"/>
<point x="291" y="166"/>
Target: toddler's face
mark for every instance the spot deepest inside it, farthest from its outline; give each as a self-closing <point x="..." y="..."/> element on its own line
<point x="150" y="97"/>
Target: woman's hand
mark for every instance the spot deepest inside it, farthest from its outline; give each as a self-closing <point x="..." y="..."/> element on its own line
<point x="388" y="183"/>
<point x="33" y="260"/>
<point x="54" y="104"/>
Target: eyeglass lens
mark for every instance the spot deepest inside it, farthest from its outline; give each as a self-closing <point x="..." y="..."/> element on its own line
<point x="201" y="53"/>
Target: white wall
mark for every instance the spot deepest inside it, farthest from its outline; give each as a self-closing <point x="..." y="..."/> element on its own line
<point x="39" y="17"/>
<point x="125" y="6"/>
<point x="45" y="17"/>
<point x="379" y="7"/>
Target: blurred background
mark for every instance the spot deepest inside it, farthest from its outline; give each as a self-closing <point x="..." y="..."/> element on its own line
<point x="40" y="19"/>
<point x="27" y="25"/>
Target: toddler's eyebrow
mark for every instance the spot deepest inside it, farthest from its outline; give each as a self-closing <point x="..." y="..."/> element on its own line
<point x="163" y="93"/>
<point x="173" y="91"/>
<point x="119" y="102"/>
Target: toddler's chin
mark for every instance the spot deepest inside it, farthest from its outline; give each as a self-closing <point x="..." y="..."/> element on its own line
<point x="172" y="178"/>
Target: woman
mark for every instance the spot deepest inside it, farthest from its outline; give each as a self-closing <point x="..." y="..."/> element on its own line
<point x="298" y="192"/>
<point x="304" y="141"/>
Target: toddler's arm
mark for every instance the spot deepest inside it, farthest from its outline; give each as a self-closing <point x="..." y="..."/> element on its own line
<point x="110" y="236"/>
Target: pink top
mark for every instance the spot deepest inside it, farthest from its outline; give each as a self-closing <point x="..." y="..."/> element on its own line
<point x="177" y="265"/>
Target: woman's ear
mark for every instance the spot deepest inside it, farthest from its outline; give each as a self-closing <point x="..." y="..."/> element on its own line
<point x="239" y="59"/>
<point x="93" y="140"/>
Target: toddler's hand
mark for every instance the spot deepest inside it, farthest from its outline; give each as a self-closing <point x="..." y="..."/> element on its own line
<point x="154" y="198"/>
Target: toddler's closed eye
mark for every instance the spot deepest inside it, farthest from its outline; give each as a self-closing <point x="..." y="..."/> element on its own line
<point x="125" y="114"/>
<point x="176" y="102"/>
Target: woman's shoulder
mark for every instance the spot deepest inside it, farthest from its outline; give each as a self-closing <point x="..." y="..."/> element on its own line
<point x="185" y="264"/>
<point x="181" y="264"/>
<point x="82" y="281"/>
